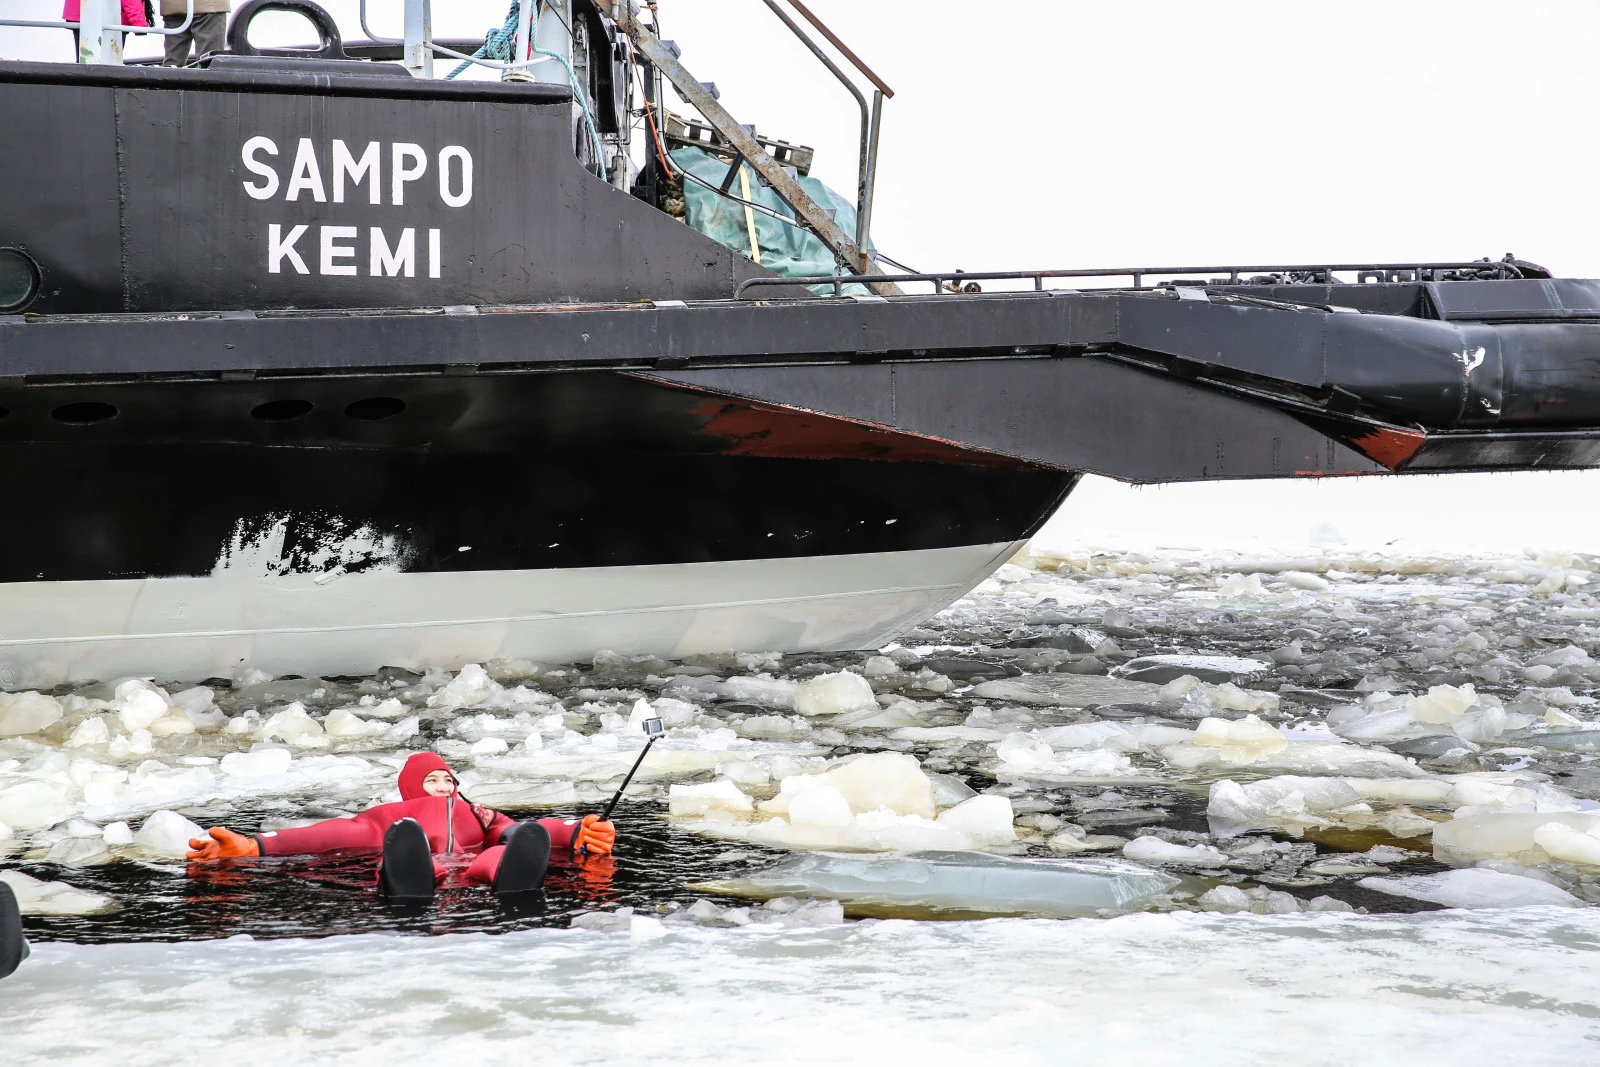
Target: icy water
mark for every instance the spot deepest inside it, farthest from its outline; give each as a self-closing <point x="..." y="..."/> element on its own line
<point x="1342" y="795"/>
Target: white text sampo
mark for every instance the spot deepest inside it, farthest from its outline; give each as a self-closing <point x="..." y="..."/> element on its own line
<point x="350" y="175"/>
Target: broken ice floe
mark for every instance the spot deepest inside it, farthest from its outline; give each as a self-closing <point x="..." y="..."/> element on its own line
<point x="1474" y="887"/>
<point x="960" y="881"/>
<point x="38" y="897"/>
<point x="872" y="802"/>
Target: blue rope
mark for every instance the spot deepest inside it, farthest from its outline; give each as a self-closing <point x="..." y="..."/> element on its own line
<point x="499" y="44"/>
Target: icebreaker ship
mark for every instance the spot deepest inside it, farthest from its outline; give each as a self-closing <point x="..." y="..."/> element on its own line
<point x="321" y="360"/>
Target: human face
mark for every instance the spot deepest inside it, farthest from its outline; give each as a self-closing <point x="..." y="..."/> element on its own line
<point x="439" y="784"/>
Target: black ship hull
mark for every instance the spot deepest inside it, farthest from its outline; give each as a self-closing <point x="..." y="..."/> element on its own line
<point x="340" y="524"/>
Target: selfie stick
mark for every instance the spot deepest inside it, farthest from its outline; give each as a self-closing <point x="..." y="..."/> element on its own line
<point x="656" y="731"/>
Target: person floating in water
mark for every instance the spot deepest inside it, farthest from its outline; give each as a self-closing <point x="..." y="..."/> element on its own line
<point x="432" y="818"/>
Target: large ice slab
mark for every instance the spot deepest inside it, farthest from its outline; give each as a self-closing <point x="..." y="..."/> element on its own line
<point x="1509" y="835"/>
<point x="1475" y="887"/>
<point x="1068" y="690"/>
<point x="960" y="881"/>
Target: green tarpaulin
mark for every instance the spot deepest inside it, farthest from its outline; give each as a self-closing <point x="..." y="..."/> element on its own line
<point x="786" y="249"/>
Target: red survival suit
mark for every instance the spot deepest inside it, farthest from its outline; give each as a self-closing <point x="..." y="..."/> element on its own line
<point x="453" y="825"/>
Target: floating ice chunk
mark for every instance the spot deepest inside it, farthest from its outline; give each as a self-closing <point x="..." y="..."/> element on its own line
<point x="1155" y="850"/>
<point x="1026" y="756"/>
<point x="139" y="703"/>
<point x="985" y="818"/>
<point x="1312" y="758"/>
<point x="293" y="725"/>
<point x="889" y="780"/>
<point x="1564" y="843"/>
<point x="721" y="795"/>
<point x="822" y="807"/>
<point x="1226" y="695"/>
<point x="472" y="685"/>
<point x="948" y="790"/>
<point x="1303" y="580"/>
<point x="1068" y="690"/>
<point x="1288" y="803"/>
<point x="175" y="721"/>
<point x="879" y="667"/>
<point x="772" y="727"/>
<point x="33" y="805"/>
<point x="835" y="694"/>
<point x="27" y="713"/>
<point x="248" y="676"/>
<point x="1441" y="703"/>
<point x="37" y="897"/>
<point x="957" y="880"/>
<point x="1474" y="887"/>
<point x="772" y="692"/>
<point x="1240" y="585"/>
<point x="342" y="724"/>
<point x="1403" y="791"/>
<point x="1246" y="740"/>
<point x="117" y="833"/>
<point x="166" y="833"/>
<point x="1223" y="898"/>
<point x="935" y="735"/>
<point x="606" y="922"/>
<point x="490" y="746"/>
<point x="262" y="763"/>
<point x="1503" y="836"/>
<point x="1390" y="725"/>
<point x="1486" y="792"/>
<point x="91" y="731"/>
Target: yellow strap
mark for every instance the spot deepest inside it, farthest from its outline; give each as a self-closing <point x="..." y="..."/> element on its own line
<point x="749" y="215"/>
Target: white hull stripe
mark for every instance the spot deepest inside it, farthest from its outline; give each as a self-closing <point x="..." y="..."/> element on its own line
<point x="192" y="628"/>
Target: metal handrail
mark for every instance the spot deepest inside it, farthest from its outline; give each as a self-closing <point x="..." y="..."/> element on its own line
<point x="434" y="48"/>
<point x="1501" y="269"/>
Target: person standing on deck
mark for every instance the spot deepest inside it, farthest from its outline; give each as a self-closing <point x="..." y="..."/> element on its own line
<point x="206" y="33"/>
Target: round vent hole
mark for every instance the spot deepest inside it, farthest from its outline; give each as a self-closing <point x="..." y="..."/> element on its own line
<point x="281" y="410"/>
<point x="84" y="413"/>
<point x="375" y="407"/>
<point x="19" y="280"/>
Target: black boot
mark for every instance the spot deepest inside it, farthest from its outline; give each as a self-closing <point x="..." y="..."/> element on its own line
<point x="523" y="863"/>
<point x="13" y="947"/>
<point x="407" y="871"/>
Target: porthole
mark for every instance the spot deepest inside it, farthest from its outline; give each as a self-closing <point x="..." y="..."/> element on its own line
<point x="281" y="410"/>
<point x="374" y="408"/>
<point x="19" y="280"/>
<point x="84" y="413"/>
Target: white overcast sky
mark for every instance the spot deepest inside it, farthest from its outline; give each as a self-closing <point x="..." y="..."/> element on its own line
<point x="1055" y="133"/>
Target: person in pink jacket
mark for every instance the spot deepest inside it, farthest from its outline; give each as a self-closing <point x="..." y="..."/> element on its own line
<point x="430" y="819"/>
<point x="132" y="15"/>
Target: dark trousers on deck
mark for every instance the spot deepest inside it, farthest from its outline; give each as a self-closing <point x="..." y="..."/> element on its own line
<point x="206" y="33"/>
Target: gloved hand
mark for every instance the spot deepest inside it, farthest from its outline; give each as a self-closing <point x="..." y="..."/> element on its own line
<point x="595" y="837"/>
<point x="223" y="844"/>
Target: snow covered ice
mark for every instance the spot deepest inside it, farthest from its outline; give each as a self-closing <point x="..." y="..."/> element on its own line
<point x="1248" y="754"/>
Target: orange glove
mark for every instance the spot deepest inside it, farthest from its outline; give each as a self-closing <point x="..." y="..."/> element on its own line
<point x="223" y="844"/>
<point x="595" y="837"/>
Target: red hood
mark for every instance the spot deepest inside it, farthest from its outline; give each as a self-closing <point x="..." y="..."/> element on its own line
<point x="416" y="769"/>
